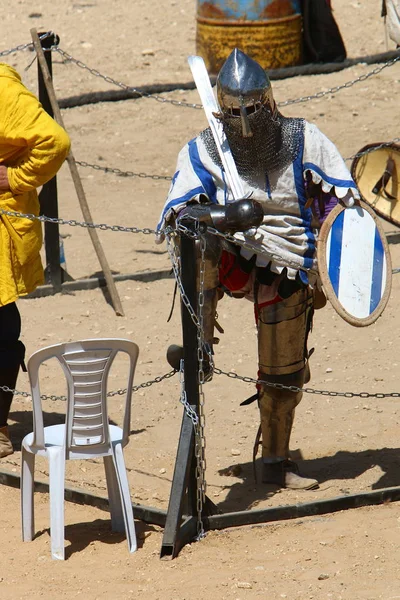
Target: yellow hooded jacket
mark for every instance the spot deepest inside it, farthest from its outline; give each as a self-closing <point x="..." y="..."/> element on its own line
<point x="32" y="147"/>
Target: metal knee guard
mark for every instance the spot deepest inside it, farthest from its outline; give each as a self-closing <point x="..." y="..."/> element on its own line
<point x="283" y="330"/>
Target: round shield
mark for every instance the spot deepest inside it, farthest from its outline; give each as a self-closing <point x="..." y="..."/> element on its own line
<point x="377" y="175"/>
<point x="354" y="263"/>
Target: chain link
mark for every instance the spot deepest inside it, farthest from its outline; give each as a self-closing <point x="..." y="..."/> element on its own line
<point x="293" y="388"/>
<point x="231" y="375"/>
<point x="74" y="223"/>
<point x="120" y="392"/>
<point x="16" y="49"/>
<point x="146" y="384"/>
<point x="25" y="46"/>
<point x="320" y="94"/>
<point x="147" y="231"/>
<point x="247" y="244"/>
<point x="69" y="58"/>
<point x="199" y="421"/>
<point x="200" y="445"/>
<point x="121" y="173"/>
<point x="346" y="85"/>
<point x="191" y="413"/>
<point x="129" y="88"/>
<point x="373" y="148"/>
<point x="173" y="253"/>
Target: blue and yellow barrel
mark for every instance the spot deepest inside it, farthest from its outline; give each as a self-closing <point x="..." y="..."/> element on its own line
<point x="270" y="31"/>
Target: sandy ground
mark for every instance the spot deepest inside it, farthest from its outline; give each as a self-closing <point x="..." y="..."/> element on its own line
<point x="350" y="444"/>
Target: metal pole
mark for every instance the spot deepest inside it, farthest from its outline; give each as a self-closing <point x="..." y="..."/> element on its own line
<point x="183" y="488"/>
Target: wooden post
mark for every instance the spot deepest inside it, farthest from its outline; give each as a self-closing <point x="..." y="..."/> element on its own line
<point x="76" y="178"/>
<point x="55" y="275"/>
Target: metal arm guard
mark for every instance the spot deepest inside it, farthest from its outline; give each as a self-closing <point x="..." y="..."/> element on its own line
<point x="238" y="216"/>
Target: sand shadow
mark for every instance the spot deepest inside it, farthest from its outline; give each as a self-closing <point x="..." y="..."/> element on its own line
<point x="82" y="535"/>
<point x="343" y="466"/>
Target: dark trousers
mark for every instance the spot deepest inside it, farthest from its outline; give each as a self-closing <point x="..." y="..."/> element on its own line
<point x="12" y="353"/>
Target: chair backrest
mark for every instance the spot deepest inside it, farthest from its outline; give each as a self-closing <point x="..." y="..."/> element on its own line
<point x="86" y="365"/>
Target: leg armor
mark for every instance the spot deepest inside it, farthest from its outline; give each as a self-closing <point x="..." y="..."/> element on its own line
<point x="283" y="329"/>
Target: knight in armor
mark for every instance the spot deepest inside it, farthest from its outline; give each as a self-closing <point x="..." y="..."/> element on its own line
<point x="293" y="175"/>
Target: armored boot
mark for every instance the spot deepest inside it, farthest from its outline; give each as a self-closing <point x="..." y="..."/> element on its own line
<point x="285" y="474"/>
<point x="277" y="409"/>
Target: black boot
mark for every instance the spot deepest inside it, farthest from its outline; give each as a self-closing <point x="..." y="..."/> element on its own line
<point x="8" y="377"/>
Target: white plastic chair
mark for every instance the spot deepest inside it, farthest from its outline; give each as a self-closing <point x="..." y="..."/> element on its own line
<point x="85" y="434"/>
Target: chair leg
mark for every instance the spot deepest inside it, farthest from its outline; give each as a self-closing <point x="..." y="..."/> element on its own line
<point x="56" y="486"/>
<point x="114" y="497"/>
<point x="123" y="485"/>
<point x="27" y="490"/>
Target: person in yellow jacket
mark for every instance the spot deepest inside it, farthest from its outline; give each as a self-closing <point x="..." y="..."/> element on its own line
<point x="32" y="149"/>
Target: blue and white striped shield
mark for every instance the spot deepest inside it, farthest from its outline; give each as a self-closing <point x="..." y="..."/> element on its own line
<point x="354" y="264"/>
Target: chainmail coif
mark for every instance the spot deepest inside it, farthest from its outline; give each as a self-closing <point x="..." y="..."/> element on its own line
<point x="274" y="145"/>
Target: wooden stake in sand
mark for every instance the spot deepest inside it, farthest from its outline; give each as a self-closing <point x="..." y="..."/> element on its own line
<point x="76" y="178"/>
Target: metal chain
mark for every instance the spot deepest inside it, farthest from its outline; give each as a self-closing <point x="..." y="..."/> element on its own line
<point x="16" y="49"/>
<point x="191" y="413"/>
<point x="69" y="58"/>
<point x="24" y="46"/>
<point x="199" y="422"/>
<point x="200" y="444"/>
<point x="373" y="148"/>
<point x="231" y="375"/>
<point x="172" y="249"/>
<point x="147" y="231"/>
<point x="146" y="384"/>
<point x="119" y="392"/>
<point x="320" y="94"/>
<point x="293" y="388"/>
<point x="247" y="244"/>
<point x="121" y="173"/>
<point x="74" y="223"/>
<point x="5" y="388"/>
<point x="97" y="73"/>
<point x="199" y="452"/>
<point x="337" y="88"/>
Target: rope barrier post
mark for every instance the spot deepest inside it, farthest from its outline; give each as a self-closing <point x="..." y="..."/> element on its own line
<point x="115" y="299"/>
<point x="183" y="488"/>
<point x="55" y="275"/>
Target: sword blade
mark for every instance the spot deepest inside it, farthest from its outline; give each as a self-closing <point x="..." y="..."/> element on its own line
<point x="203" y="85"/>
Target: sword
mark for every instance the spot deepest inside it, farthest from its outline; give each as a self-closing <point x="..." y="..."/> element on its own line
<point x="203" y="85"/>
